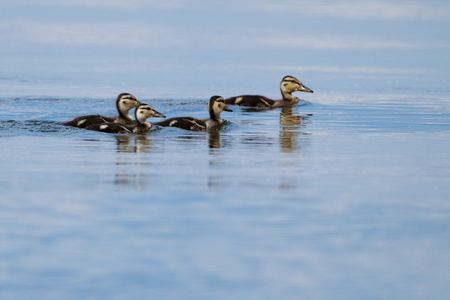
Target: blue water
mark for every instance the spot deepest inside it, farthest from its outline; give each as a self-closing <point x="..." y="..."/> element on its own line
<point x="345" y="196"/>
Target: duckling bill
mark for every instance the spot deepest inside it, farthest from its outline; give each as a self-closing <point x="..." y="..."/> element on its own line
<point x="288" y="85"/>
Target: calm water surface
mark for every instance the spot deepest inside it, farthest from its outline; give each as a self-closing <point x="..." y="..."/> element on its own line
<point x="346" y="195"/>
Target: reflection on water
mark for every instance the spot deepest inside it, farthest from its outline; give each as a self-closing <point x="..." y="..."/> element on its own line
<point x="292" y="212"/>
<point x="292" y="140"/>
<point x="213" y="139"/>
<point x="216" y="178"/>
<point x="130" y="170"/>
<point x="134" y="170"/>
<point x="139" y="143"/>
<point x="290" y="125"/>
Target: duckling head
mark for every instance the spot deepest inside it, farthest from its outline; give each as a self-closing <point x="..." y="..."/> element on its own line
<point x="290" y="84"/>
<point x="145" y="111"/>
<point x="124" y="103"/>
<point x="216" y="105"/>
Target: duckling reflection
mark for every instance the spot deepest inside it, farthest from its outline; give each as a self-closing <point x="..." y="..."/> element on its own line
<point x="291" y="141"/>
<point x="289" y="130"/>
<point x="216" y="179"/>
<point x="142" y="144"/>
<point x="130" y="169"/>
<point x="123" y="143"/>
<point x="213" y="139"/>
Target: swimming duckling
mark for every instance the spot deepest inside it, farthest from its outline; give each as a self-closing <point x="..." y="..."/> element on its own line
<point x="289" y="84"/>
<point x="215" y="106"/>
<point x="124" y="103"/>
<point x="143" y="111"/>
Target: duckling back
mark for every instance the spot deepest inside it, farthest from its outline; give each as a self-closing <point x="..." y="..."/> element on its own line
<point x="187" y="123"/>
<point x="250" y="101"/>
<point x="85" y="121"/>
<point x="110" y="127"/>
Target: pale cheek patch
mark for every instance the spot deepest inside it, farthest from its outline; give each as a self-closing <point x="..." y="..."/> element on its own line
<point x="173" y="123"/>
<point x="81" y="122"/>
<point x="238" y="100"/>
<point x="103" y="127"/>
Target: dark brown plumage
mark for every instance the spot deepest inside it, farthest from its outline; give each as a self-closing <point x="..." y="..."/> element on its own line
<point x="124" y="103"/>
<point x="215" y="106"/>
<point x="288" y="85"/>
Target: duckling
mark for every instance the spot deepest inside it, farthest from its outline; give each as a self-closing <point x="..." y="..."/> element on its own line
<point x="124" y="103"/>
<point x="215" y="106"/>
<point x="143" y="111"/>
<point x="289" y="84"/>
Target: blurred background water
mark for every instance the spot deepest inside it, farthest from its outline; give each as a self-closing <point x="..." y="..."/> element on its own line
<point x="346" y="195"/>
